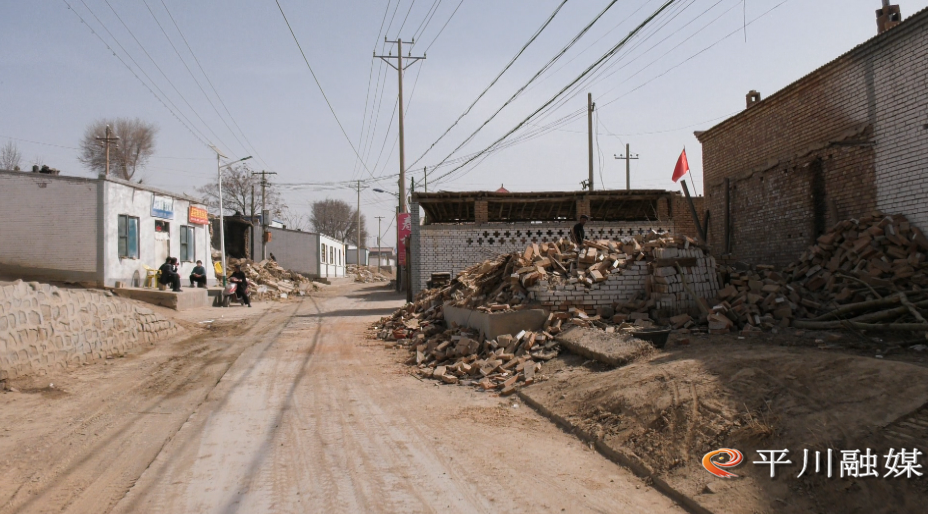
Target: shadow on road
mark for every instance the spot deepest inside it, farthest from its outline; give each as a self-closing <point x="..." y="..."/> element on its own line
<point x="350" y="313"/>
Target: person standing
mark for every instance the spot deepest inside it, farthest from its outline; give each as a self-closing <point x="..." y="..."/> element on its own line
<point x="577" y="234"/>
<point x="198" y="275"/>
<point x="241" y="285"/>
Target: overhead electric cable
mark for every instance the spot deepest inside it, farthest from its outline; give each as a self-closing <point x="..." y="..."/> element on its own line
<point x="443" y="27"/>
<point x="313" y="73"/>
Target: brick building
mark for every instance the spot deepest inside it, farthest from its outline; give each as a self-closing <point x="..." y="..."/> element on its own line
<point x="848" y="138"/>
<point x="465" y="228"/>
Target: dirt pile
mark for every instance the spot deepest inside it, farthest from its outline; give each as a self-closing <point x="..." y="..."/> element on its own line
<point x="366" y="274"/>
<point x="273" y="281"/>
<point x="866" y="273"/>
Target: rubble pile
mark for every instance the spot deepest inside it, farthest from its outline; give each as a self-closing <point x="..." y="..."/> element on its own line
<point x="457" y="355"/>
<point x="272" y="280"/>
<point x="866" y="271"/>
<point x="366" y="274"/>
<point x="501" y="284"/>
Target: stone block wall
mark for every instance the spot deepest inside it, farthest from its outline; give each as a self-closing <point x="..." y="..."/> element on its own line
<point x="664" y="285"/>
<point x="845" y="139"/>
<point x="43" y="327"/>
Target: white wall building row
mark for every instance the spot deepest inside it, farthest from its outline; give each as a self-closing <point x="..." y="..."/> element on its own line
<point x="309" y="253"/>
<point x="97" y="231"/>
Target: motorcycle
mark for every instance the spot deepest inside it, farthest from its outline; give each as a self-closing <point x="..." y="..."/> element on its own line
<point x="229" y="294"/>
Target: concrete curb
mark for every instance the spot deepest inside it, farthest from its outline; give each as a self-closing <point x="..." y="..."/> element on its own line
<point x="620" y="457"/>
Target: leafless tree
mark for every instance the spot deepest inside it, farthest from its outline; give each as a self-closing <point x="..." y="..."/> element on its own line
<point x="241" y="192"/>
<point x="10" y="158"/>
<point x="293" y="220"/>
<point x="336" y="218"/>
<point x="135" y="147"/>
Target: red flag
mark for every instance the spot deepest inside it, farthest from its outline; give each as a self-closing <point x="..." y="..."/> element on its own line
<point x="682" y="167"/>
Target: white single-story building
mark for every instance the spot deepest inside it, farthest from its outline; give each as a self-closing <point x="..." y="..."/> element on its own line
<point x="384" y="256"/>
<point x="309" y="253"/>
<point x="97" y="231"/>
<point x="352" y="255"/>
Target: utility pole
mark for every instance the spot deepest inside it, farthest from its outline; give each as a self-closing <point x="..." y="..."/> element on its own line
<point x="628" y="165"/>
<point x="106" y="145"/>
<point x="359" y="223"/>
<point x="264" y="223"/>
<point x="400" y="68"/>
<point x="589" y="121"/>
<point x="379" y="254"/>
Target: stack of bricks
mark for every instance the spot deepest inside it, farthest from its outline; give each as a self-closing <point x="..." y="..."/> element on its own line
<point x="669" y="288"/>
<point x="43" y="327"/>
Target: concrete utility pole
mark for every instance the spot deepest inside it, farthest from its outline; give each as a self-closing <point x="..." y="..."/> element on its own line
<point x="264" y="223"/>
<point x="106" y="145"/>
<point x="628" y="165"/>
<point x="400" y="68"/>
<point x="589" y="121"/>
<point x="359" y="223"/>
<point x="379" y="255"/>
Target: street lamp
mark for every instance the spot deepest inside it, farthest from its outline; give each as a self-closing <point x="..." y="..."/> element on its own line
<point x="222" y="232"/>
<point x="388" y="192"/>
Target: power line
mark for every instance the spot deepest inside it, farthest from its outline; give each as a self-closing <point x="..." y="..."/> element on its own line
<point x="443" y="27"/>
<point x="210" y="82"/>
<point x="589" y="69"/>
<point x="411" y="4"/>
<point x="295" y="40"/>
<point x="495" y="80"/>
<point x="163" y="74"/>
<point x="177" y="115"/>
<point x="426" y="19"/>
<point x="534" y="77"/>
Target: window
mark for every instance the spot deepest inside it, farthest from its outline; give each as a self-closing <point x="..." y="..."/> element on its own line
<point x="332" y="254"/>
<point x="187" y="244"/>
<point x="323" y="252"/>
<point x="128" y="237"/>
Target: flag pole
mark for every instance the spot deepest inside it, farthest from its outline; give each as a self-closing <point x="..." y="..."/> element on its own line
<point x="690" y="171"/>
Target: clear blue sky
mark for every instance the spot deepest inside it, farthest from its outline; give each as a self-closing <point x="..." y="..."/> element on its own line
<point x="664" y="84"/>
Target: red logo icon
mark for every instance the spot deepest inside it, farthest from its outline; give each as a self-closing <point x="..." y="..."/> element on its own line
<point x="715" y="461"/>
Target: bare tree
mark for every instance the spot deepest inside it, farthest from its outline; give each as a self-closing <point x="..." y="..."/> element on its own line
<point x="336" y="218"/>
<point x="241" y="192"/>
<point x="135" y="147"/>
<point x="293" y="220"/>
<point x="10" y="158"/>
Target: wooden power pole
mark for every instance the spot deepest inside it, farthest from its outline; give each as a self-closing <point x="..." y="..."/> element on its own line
<point x="400" y="68"/>
<point x="264" y="223"/>
<point x="628" y="165"/>
<point x="589" y="121"/>
<point x="106" y="145"/>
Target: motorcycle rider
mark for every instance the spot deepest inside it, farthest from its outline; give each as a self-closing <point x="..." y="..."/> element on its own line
<point x="241" y="285"/>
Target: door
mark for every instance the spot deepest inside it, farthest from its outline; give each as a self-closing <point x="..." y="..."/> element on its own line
<point x="162" y="241"/>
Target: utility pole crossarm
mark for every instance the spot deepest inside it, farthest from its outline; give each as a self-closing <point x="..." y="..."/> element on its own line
<point x="106" y="141"/>
<point x="628" y="157"/>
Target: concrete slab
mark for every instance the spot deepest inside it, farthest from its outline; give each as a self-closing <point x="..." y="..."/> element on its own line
<point x="611" y="349"/>
<point x="187" y="299"/>
<point x="497" y="323"/>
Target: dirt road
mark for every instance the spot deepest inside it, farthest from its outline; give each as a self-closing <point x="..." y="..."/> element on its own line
<point x="299" y="414"/>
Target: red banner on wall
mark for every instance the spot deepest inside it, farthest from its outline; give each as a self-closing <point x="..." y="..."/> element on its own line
<point x="403" y="230"/>
<point x="197" y="216"/>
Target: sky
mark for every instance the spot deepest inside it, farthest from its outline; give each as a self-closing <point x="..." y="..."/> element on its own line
<point x="231" y="74"/>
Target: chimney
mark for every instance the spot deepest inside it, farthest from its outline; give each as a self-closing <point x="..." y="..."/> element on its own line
<point x="753" y="98"/>
<point x="887" y="17"/>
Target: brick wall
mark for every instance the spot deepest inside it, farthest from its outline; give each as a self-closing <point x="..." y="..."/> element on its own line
<point x="846" y="139"/>
<point x="49" y="224"/>
<point x="683" y="223"/>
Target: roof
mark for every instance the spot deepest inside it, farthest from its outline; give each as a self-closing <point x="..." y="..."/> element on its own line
<point x="382" y="249"/>
<point x="619" y="205"/>
<point x="913" y="22"/>
<point x="142" y="187"/>
<point x="502" y="189"/>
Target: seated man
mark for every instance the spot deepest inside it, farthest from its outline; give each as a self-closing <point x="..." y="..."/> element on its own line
<point x="169" y="276"/>
<point x="198" y="275"/>
<point x="241" y="288"/>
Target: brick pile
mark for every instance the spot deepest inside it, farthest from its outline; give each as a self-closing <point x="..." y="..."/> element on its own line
<point x="864" y="273"/>
<point x="277" y="281"/>
<point x="365" y="274"/>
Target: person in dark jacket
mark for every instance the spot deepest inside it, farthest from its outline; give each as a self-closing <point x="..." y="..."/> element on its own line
<point x="169" y="276"/>
<point x="198" y="275"/>
<point x="241" y="287"/>
<point x="577" y="234"/>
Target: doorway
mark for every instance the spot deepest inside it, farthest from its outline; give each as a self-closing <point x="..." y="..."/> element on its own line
<point x="162" y="241"/>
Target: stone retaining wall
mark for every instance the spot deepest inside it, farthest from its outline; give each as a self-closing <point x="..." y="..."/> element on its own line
<point x="43" y="327"/>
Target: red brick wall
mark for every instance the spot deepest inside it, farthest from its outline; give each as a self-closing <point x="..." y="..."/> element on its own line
<point x="828" y="142"/>
<point x="683" y="222"/>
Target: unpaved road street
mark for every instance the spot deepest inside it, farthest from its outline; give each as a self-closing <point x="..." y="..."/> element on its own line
<point x="292" y="409"/>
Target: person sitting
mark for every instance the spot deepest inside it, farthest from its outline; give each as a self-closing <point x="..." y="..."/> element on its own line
<point x="198" y="275"/>
<point x="169" y="276"/>
<point x="241" y="285"/>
